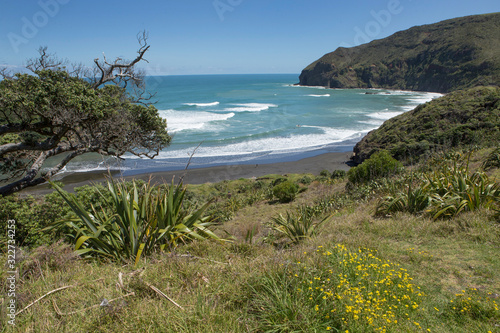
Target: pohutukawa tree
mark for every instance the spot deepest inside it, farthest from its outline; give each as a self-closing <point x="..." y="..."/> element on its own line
<point x="60" y="112"/>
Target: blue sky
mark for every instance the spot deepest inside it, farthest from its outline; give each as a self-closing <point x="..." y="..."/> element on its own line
<point x="212" y="36"/>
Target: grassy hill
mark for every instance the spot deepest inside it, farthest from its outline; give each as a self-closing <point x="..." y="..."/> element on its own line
<point x="354" y="270"/>
<point x="441" y="57"/>
<point x="462" y="118"/>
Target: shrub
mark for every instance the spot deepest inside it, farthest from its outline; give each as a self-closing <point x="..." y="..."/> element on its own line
<point x="306" y="180"/>
<point x="259" y="184"/>
<point x="338" y="174"/>
<point x="381" y="164"/>
<point x="324" y="173"/>
<point x="278" y="181"/>
<point x="142" y="220"/>
<point x="31" y="216"/>
<point x="285" y="191"/>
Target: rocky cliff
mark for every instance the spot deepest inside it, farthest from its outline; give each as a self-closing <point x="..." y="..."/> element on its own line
<point x="442" y="57"/>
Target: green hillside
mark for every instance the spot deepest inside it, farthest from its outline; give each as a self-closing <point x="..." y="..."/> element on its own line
<point x="412" y="251"/>
<point x="461" y="118"/>
<point x="442" y="57"/>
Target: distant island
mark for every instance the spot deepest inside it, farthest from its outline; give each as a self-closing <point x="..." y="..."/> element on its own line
<point x="454" y="54"/>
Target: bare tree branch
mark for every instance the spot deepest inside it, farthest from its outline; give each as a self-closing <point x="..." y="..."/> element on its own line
<point x="45" y="61"/>
<point x="6" y="74"/>
<point x="121" y="71"/>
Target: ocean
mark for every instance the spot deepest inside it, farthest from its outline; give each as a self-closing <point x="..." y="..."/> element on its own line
<point x="251" y="119"/>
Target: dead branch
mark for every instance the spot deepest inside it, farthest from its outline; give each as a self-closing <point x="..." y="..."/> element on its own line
<point x="189" y="162"/>
<point x="39" y="299"/>
<point x="121" y="71"/>
<point x="51" y="292"/>
<point x="159" y="292"/>
<point x="45" y="61"/>
<point x="6" y="74"/>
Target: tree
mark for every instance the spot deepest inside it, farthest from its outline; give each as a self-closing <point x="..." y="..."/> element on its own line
<point x="69" y="112"/>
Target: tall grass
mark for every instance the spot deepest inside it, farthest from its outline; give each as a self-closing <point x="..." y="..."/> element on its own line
<point x="140" y="220"/>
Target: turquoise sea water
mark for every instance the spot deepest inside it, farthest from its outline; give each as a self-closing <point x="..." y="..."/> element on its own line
<point x="251" y="119"/>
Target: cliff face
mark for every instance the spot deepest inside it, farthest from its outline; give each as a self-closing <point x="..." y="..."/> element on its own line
<point x="441" y="57"/>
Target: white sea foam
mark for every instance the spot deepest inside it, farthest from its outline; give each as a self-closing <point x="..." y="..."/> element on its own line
<point x="299" y="86"/>
<point x="421" y="98"/>
<point x="425" y="97"/>
<point x="90" y="166"/>
<point x="312" y="95"/>
<point x="399" y="92"/>
<point x="271" y="145"/>
<point x="250" y="107"/>
<point x="191" y="120"/>
<point x="202" y="104"/>
<point x="374" y="122"/>
<point x="383" y="115"/>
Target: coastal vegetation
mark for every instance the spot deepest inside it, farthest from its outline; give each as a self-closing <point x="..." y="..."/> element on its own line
<point x="450" y="55"/>
<point x="133" y="221"/>
<point x="56" y="113"/>
<point x="462" y="118"/>
<point x="380" y="164"/>
<point x="340" y="256"/>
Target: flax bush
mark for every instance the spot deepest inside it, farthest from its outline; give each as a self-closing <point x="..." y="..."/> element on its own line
<point x="139" y="221"/>
<point x="298" y="225"/>
<point x="445" y="192"/>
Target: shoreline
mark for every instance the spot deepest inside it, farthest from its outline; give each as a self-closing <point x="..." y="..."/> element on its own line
<point x="212" y="174"/>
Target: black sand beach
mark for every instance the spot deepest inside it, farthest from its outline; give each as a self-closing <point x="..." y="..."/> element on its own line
<point x="314" y="165"/>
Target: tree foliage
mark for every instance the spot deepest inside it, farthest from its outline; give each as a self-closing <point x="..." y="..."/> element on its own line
<point x="55" y="113"/>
